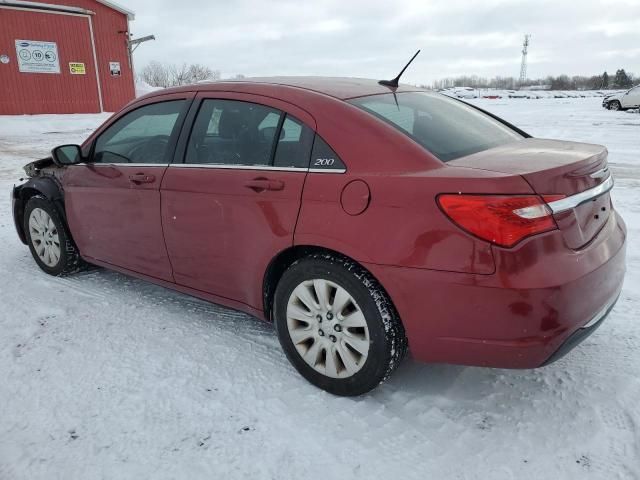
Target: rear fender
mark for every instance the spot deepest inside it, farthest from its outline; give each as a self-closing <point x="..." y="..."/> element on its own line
<point x="48" y="187"/>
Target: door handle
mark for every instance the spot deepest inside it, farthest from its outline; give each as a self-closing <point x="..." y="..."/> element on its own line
<point x="261" y="184"/>
<point x="139" y="178"/>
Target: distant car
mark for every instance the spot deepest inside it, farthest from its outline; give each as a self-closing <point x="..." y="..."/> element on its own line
<point x="460" y="92"/>
<point x="355" y="216"/>
<point x="559" y="94"/>
<point x="518" y="94"/>
<point x="494" y="94"/>
<point x="535" y="95"/>
<point x="624" y="100"/>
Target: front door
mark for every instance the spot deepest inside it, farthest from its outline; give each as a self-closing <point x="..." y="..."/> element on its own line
<point x="113" y="200"/>
<point x="233" y="203"/>
<point x="631" y="98"/>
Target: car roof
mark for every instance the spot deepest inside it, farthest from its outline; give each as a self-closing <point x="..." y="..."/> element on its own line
<point x="339" y="87"/>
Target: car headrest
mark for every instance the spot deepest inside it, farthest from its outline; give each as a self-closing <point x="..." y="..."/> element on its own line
<point x="230" y="123"/>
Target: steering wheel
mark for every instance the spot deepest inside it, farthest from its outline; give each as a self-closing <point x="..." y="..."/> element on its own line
<point x="150" y="151"/>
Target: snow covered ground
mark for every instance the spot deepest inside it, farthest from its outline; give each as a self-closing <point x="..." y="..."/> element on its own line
<point x="104" y="376"/>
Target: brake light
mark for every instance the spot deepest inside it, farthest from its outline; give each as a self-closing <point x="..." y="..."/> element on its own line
<point x="500" y="219"/>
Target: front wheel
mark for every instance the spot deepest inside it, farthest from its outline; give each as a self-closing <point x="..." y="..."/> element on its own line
<point x="337" y="325"/>
<point x="615" y="105"/>
<point x="48" y="239"/>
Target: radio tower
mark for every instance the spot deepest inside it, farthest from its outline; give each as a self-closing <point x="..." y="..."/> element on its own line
<point x="523" y="65"/>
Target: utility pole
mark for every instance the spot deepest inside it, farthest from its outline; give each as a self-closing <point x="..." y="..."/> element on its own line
<point x="523" y="65"/>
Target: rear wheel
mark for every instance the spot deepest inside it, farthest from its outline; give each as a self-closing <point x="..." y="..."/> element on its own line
<point x="48" y="239"/>
<point x="337" y="326"/>
<point x="615" y="105"/>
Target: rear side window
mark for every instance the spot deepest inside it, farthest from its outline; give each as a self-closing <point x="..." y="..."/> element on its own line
<point x="140" y="136"/>
<point x="323" y="157"/>
<point x="229" y="132"/>
<point x="447" y="128"/>
<point x="294" y="145"/>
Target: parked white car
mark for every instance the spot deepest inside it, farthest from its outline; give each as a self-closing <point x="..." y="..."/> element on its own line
<point x="624" y="100"/>
<point x="460" y="92"/>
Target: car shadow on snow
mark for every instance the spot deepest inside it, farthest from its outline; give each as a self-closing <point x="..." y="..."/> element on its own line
<point x="412" y="380"/>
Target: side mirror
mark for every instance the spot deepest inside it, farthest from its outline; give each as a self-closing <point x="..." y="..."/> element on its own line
<point x="66" y="155"/>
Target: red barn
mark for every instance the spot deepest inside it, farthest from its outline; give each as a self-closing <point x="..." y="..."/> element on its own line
<point x="64" y="56"/>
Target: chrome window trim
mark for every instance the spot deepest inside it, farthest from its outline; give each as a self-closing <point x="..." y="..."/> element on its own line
<point x="221" y="166"/>
<point x="327" y="170"/>
<point x="573" y="201"/>
<point x="111" y="164"/>
<point x="224" y="166"/>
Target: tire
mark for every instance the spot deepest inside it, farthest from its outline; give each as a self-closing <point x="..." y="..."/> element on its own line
<point x="367" y="319"/>
<point x="43" y="224"/>
<point x="615" y="106"/>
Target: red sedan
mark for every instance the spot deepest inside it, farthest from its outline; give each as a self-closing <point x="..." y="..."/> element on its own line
<point x="359" y="217"/>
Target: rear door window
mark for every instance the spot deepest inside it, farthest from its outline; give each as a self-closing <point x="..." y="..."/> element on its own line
<point x="447" y="128"/>
<point x="294" y="144"/>
<point x="231" y="132"/>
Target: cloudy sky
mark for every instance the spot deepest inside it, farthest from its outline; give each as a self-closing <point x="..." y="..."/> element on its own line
<point x="374" y="38"/>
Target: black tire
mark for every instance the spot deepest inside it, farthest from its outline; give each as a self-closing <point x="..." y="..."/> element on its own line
<point x="387" y="340"/>
<point x="615" y="105"/>
<point x="69" y="261"/>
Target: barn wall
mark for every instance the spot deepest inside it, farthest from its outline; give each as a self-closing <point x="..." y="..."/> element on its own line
<point x="47" y="92"/>
<point x="66" y="93"/>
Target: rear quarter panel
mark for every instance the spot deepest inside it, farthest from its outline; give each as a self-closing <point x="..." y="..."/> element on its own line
<point x="403" y="224"/>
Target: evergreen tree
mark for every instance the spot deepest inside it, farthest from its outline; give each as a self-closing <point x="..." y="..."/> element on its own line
<point x="605" y="80"/>
<point x="622" y="80"/>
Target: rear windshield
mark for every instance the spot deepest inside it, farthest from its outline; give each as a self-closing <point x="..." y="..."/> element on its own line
<point x="449" y="129"/>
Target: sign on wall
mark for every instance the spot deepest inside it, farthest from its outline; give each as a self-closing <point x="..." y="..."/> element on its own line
<point x="77" y="68"/>
<point x="37" y="57"/>
<point x="114" y="68"/>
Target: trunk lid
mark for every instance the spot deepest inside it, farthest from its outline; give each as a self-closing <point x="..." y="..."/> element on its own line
<point x="554" y="167"/>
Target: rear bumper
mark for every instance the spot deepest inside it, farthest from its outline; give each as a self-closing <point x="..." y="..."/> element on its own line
<point x="529" y="313"/>
<point x="577" y="337"/>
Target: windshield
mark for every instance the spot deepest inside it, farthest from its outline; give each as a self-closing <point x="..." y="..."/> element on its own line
<point x="447" y="128"/>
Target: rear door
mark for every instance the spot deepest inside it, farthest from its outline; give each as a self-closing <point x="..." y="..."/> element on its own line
<point x="230" y="202"/>
<point x="113" y="200"/>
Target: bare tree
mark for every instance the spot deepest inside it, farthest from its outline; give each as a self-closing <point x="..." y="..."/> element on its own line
<point x="200" y="73"/>
<point x="164" y="75"/>
<point x="156" y="75"/>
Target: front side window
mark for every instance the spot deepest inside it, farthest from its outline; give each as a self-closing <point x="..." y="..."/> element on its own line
<point x="447" y="128"/>
<point x="229" y="132"/>
<point x="140" y="136"/>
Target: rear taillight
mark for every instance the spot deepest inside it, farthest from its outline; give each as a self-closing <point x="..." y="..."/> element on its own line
<point x="501" y="219"/>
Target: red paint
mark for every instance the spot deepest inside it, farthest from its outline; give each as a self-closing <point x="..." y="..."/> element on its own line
<point x="124" y="217"/>
<point x="220" y="233"/>
<point x="35" y="93"/>
<point x="461" y="299"/>
<point x="355" y="197"/>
